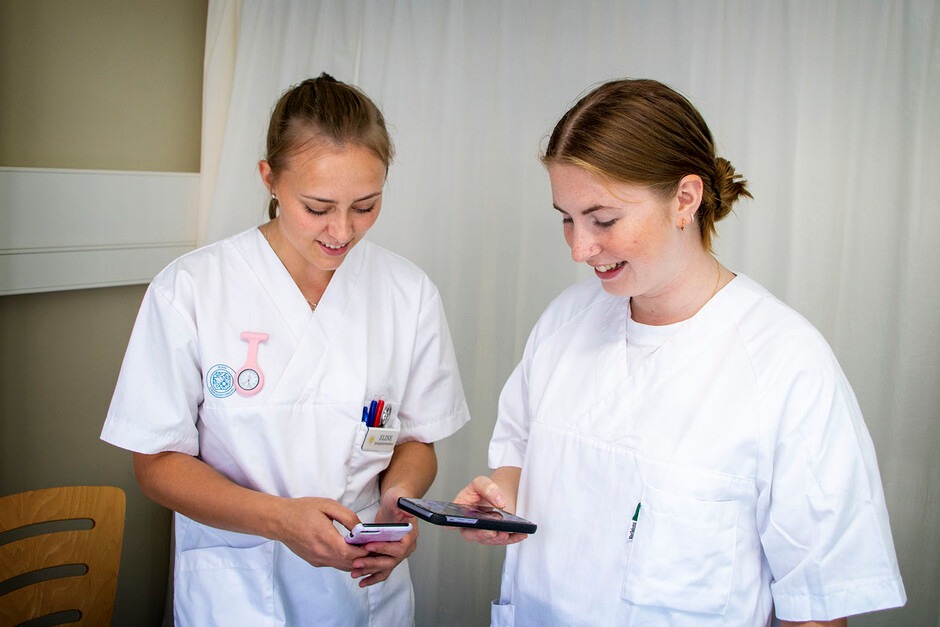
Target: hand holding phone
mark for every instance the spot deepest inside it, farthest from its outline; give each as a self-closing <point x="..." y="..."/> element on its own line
<point x="363" y="533"/>
<point x="469" y="516"/>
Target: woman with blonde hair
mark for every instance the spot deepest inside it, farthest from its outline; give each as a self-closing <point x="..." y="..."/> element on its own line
<point x="247" y="390"/>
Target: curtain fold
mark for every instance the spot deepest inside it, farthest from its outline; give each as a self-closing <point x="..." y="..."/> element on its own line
<point x="829" y="109"/>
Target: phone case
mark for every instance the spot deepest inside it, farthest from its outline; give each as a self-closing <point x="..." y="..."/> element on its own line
<point x="455" y="515"/>
<point x="378" y="532"/>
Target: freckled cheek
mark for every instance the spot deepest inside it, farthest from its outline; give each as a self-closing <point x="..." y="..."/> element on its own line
<point x="312" y="228"/>
<point x="365" y="222"/>
<point x="644" y="239"/>
<point x="295" y="223"/>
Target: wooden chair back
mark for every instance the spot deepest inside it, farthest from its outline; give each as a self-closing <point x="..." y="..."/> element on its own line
<point x="60" y="549"/>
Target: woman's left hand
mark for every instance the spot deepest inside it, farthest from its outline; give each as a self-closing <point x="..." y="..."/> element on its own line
<point x="385" y="556"/>
<point x="388" y="507"/>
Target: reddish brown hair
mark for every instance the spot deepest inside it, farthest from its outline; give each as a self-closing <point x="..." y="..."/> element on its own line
<point x="644" y="133"/>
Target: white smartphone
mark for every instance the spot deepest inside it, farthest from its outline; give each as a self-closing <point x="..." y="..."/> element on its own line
<point x="378" y="532"/>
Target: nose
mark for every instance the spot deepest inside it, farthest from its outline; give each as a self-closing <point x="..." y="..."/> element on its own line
<point x="341" y="227"/>
<point x="583" y="246"/>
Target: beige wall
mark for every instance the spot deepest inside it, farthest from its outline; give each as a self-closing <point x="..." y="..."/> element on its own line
<point x="95" y="84"/>
<point x="101" y="84"/>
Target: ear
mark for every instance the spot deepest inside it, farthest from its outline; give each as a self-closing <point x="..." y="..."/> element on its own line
<point x="267" y="176"/>
<point x="689" y="198"/>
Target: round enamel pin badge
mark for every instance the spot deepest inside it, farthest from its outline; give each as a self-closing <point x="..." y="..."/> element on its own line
<point x="221" y="381"/>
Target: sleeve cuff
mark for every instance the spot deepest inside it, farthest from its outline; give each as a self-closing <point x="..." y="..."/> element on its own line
<point x="847" y="601"/>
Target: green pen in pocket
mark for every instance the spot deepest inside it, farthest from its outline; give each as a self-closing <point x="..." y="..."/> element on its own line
<point x="636" y="516"/>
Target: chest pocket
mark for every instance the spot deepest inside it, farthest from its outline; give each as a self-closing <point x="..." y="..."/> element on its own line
<point x="364" y="465"/>
<point x="683" y="553"/>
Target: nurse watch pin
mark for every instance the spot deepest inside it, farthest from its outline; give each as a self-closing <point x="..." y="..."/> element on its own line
<point x="249" y="380"/>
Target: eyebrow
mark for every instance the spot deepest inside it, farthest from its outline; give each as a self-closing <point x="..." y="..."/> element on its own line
<point x="329" y="201"/>
<point x="585" y="212"/>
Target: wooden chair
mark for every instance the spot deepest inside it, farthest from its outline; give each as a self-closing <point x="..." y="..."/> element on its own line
<point x="60" y="549"/>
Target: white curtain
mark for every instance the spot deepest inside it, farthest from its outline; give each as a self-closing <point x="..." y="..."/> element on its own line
<point x="828" y="108"/>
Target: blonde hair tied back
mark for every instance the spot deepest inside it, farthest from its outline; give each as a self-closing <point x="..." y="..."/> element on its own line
<point x="324" y="110"/>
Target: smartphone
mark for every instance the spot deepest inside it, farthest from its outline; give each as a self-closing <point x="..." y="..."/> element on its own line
<point x="378" y="532"/>
<point x="473" y="516"/>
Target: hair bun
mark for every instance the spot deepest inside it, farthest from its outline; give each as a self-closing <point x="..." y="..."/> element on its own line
<point x="728" y="187"/>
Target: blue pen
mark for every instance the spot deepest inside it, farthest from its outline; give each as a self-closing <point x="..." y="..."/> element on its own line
<point x="372" y="407"/>
<point x="365" y="415"/>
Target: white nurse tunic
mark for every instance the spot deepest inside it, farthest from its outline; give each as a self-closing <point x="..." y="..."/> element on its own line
<point x="292" y="427"/>
<point x="737" y="438"/>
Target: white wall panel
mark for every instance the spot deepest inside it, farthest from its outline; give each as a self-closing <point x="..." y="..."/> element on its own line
<point x="71" y="229"/>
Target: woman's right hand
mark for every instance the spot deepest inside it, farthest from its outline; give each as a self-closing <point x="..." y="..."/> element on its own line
<point x="307" y="529"/>
<point x="486" y="491"/>
<point x="193" y="488"/>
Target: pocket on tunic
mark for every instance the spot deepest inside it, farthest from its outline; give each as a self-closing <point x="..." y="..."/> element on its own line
<point x="683" y="553"/>
<point x="502" y="615"/>
<point x="364" y="465"/>
<point x="226" y="586"/>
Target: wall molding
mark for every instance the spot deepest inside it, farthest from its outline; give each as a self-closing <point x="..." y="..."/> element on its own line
<point x="74" y="229"/>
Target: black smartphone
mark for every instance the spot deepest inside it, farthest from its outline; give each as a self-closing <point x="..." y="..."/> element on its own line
<point x="473" y="516"/>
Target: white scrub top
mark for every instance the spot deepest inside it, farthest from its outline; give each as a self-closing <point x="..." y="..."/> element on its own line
<point x="737" y="437"/>
<point x="294" y="428"/>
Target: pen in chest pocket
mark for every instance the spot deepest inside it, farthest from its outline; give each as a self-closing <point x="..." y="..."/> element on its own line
<point x="376" y="413"/>
<point x="636" y="517"/>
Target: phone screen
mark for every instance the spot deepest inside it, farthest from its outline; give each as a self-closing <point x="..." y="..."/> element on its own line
<point x="458" y="515"/>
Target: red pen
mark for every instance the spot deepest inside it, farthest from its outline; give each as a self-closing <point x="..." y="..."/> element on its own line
<point x="378" y="413"/>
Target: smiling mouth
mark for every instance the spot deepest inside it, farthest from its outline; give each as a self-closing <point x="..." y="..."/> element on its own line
<point x="334" y="246"/>
<point x="334" y="250"/>
<point x="608" y="267"/>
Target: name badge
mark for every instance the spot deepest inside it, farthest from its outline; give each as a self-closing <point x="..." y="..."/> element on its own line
<point x="380" y="439"/>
